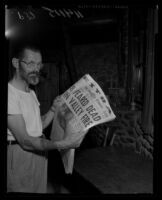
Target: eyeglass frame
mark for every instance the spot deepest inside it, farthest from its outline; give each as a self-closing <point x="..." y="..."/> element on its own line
<point x="30" y="63"/>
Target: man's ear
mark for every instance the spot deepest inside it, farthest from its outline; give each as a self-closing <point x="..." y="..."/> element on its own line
<point x="15" y="63"/>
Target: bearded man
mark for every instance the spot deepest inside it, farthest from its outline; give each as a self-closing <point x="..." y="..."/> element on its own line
<point x="26" y="146"/>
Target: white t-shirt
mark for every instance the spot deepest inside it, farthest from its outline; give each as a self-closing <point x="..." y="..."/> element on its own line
<point x="25" y="103"/>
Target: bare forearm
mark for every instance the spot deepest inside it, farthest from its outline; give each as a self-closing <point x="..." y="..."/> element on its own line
<point x="41" y="144"/>
<point x="47" y="118"/>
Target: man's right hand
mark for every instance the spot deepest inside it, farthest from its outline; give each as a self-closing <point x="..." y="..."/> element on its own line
<point x="72" y="141"/>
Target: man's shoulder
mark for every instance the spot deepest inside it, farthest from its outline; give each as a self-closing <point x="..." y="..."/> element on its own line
<point x="12" y="92"/>
<point x="11" y="89"/>
<point x="33" y="92"/>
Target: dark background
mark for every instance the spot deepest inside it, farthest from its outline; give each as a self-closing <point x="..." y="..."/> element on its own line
<point x="113" y="44"/>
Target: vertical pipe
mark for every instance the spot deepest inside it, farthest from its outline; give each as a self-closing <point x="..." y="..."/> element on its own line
<point x="149" y="73"/>
<point x="130" y="49"/>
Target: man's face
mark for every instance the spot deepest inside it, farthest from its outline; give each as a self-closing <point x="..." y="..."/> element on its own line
<point x="29" y="66"/>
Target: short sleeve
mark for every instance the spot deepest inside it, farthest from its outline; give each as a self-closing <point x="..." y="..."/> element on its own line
<point x="13" y="102"/>
<point x="35" y="97"/>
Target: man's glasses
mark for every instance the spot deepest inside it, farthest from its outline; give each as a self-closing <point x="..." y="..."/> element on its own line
<point x="32" y="64"/>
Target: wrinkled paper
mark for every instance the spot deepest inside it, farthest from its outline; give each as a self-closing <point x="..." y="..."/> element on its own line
<point x="82" y="106"/>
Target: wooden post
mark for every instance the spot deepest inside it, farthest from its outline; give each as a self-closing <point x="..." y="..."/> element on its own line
<point x="106" y="135"/>
<point x="149" y="74"/>
<point x="119" y="64"/>
<point x="130" y="52"/>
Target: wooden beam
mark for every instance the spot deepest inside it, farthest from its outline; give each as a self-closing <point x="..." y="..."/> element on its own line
<point x="149" y="74"/>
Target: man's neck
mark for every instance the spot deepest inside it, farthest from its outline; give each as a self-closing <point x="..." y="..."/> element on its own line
<point x="20" y="84"/>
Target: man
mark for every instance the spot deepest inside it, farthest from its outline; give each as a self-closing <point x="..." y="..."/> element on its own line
<point x="27" y="148"/>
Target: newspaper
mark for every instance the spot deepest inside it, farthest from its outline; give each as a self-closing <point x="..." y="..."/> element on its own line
<point x="82" y="106"/>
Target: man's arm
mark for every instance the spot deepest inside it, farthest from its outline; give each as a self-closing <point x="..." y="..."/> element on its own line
<point x="47" y="118"/>
<point x="16" y="125"/>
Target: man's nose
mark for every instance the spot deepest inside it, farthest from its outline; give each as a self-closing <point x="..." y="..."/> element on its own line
<point x="36" y="68"/>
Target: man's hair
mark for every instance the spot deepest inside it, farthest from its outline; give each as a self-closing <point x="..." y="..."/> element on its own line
<point x="18" y="51"/>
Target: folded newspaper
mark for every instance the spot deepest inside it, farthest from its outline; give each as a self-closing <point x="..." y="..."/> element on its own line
<point x="82" y="106"/>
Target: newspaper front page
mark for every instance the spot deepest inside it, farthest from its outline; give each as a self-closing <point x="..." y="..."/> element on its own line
<point x="82" y="106"/>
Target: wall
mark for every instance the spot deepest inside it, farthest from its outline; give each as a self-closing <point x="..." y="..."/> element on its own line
<point x="101" y="61"/>
<point x="128" y="133"/>
<point x="98" y="60"/>
<point x="48" y="87"/>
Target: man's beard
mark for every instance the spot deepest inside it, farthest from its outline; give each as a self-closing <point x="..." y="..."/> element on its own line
<point x="31" y="78"/>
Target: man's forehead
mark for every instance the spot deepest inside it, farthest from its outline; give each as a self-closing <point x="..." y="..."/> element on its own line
<point x="32" y="54"/>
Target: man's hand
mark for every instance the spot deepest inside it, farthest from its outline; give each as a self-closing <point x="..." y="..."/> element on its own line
<point x="56" y="103"/>
<point x="74" y="140"/>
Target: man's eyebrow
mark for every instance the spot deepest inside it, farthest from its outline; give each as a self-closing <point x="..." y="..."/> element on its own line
<point x="34" y="61"/>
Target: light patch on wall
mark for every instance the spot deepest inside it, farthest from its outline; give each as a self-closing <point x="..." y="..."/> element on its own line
<point x="11" y="32"/>
<point x="8" y="33"/>
<point x="11" y="29"/>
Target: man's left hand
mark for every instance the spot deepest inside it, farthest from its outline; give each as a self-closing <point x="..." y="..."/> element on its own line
<point x="56" y="102"/>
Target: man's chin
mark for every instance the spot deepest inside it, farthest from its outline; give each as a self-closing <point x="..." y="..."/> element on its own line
<point x="34" y="80"/>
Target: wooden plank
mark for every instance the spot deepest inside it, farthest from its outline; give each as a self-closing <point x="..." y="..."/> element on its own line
<point x="115" y="170"/>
